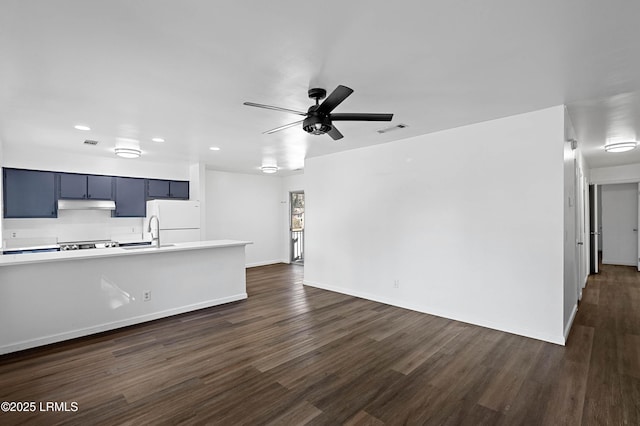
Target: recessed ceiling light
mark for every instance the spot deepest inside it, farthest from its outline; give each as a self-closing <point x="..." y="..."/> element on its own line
<point x="127" y="152"/>
<point x="214" y="148"/>
<point x="157" y="140"/>
<point x="81" y="127"/>
<point x="620" y="146"/>
<point x="269" y="169"/>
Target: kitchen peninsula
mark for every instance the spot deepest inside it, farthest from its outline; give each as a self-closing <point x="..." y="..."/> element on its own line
<point x="55" y="296"/>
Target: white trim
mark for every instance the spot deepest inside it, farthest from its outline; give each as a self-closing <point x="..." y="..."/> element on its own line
<point x="567" y="329"/>
<point x="59" y="337"/>
<point x="613" y="181"/>
<point x="559" y="340"/>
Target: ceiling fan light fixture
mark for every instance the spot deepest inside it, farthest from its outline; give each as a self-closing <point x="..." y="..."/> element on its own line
<point x="269" y="169"/>
<point x="127" y="152"/>
<point x="620" y="146"/>
<point x="316" y="125"/>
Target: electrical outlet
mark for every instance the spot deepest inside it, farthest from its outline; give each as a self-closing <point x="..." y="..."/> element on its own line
<point x="396" y="283"/>
<point x="146" y="295"/>
<point x="14" y="234"/>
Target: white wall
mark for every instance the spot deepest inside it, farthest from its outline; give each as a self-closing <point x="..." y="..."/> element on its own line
<point x="249" y="208"/>
<point x="197" y="192"/>
<point x="42" y="159"/>
<point x="289" y="184"/>
<point x="619" y="219"/>
<point x="464" y="220"/>
<point x="616" y="174"/>
<point x="570" y="300"/>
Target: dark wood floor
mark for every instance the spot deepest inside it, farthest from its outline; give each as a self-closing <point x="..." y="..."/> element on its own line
<point x="297" y="355"/>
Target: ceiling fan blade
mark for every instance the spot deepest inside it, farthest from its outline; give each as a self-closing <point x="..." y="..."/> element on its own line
<point x="335" y="133"/>
<point x="334" y="99"/>
<point x="286" y="126"/>
<point x="351" y="116"/>
<point x="292" y="111"/>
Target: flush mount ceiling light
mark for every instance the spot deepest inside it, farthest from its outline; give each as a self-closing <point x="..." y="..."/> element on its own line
<point x="127" y="152"/>
<point x="269" y="169"/>
<point x="214" y="148"/>
<point x="81" y="127"/>
<point x="157" y="140"/>
<point x="620" y="146"/>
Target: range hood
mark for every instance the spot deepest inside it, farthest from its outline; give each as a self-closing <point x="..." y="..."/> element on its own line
<point x="86" y="205"/>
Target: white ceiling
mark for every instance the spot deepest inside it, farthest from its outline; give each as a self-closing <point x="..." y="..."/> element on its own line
<point x="181" y="70"/>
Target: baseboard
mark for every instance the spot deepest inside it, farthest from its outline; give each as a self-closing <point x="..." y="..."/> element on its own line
<point x="556" y="339"/>
<point x="68" y="335"/>
<point x="617" y="262"/>
<point x="567" y="328"/>
<point x="265" y="263"/>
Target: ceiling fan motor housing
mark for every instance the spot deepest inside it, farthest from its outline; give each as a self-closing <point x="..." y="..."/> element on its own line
<point x="317" y="93"/>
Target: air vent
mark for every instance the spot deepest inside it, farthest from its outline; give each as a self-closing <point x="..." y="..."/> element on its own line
<point x="90" y="142"/>
<point x="392" y="128"/>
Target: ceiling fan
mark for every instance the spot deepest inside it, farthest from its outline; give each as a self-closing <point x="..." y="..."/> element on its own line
<point x="319" y="118"/>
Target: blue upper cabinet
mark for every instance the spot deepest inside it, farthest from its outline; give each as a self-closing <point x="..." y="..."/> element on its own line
<point x="157" y="188"/>
<point x="29" y="193"/>
<point x="130" y="197"/>
<point x="160" y="188"/>
<point x="100" y="187"/>
<point x="179" y="189"/>
<point x="77" y="186"/>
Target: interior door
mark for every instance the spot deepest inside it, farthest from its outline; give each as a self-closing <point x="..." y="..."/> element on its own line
<point x="620" y="224"/>
<point x="594" y="229"/>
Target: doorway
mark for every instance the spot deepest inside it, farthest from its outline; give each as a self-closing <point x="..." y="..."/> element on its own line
<point x="619" y="224"/>
<point x="595" y="244"/>
<point x="296" y="226"/>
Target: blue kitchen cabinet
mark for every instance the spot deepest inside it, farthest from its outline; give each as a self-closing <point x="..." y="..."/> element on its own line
<point x="157" y="188"/>
<point x="179" y="189"/>
<point x="29" y="193"/>
<point x="160" y="188"/>
<point x="78" y="186"/>
<point x="100" y="187"/>
<point x="130" y="197"/>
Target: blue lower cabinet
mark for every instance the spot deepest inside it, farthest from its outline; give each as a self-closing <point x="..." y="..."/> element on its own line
<point x="29" y="193"/>
<point x="130" y="197"/>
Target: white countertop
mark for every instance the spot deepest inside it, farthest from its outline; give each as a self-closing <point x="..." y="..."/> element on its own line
<point x="26" y="258"/>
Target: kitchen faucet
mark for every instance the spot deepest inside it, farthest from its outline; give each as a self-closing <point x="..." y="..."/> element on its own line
<point x="157" y="229"/>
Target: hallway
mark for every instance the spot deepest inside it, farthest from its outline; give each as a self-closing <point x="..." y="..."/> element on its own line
<point x="607" y="332"/>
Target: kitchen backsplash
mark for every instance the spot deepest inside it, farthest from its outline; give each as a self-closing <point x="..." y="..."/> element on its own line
<point x="71" y="225"/>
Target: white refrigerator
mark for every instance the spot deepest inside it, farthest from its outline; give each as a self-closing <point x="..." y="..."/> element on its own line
<point x="179" y="220"/>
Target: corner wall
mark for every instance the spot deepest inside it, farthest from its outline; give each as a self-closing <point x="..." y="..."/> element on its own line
<point x="248" y="208"/>
<point x="468" y="222"/>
